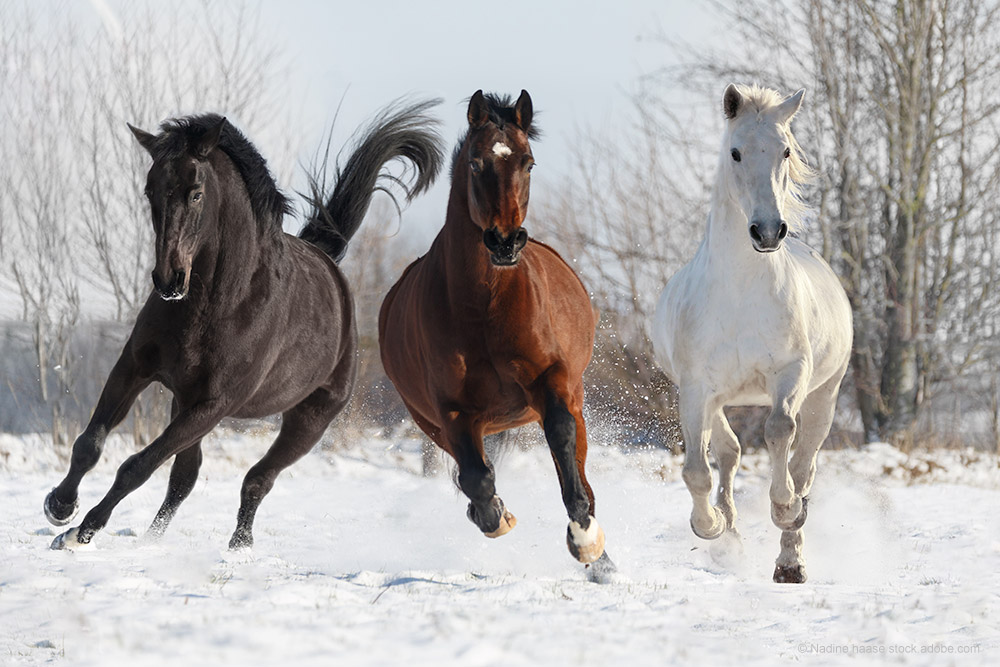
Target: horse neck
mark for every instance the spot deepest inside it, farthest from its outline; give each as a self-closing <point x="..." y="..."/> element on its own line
<point x="459" y="245"/>
<point x="233" y="245"/>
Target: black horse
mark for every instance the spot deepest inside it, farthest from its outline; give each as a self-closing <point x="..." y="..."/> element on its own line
<point x="245" y="320"/>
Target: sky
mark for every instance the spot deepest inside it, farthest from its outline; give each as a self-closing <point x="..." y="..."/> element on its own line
<point x="579" y="61"/>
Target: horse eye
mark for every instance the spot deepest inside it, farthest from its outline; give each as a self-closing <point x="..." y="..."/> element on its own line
<point x="530" y="167"/>
<point x="476" y="166"/>
<point x="736" y="155"/>
<point x="788" y="153"/>
<point x="196" y="197"/>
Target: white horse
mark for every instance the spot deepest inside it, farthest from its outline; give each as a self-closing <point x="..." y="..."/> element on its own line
<point x="756" y="318"/>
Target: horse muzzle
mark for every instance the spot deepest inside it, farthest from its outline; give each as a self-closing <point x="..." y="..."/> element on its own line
<point x="767" y="236"/>
<point x="505" y="250"/>
<point x="173" y="288"/>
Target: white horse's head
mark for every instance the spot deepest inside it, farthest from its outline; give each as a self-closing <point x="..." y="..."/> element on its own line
<point x="760" y="162"/>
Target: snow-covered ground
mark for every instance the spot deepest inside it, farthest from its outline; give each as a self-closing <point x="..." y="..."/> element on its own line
<point x="359" y="560"/>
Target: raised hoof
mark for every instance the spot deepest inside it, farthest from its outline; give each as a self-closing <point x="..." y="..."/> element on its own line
<point x="492" y="518"/>
<point x="58" y="513"/>
<point x="789" y="574"/>
<point x="70" y="541"/>
<point x="602" y="571"/>
<point x="507" y="523"/>
<point x="718" y="528"/>
<point x="585" y="545"/>
<point x="798" y="522"/>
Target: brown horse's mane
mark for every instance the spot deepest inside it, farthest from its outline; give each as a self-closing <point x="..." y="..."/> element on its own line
<point x="268" y="203"/>
<point x="500" y="110"/>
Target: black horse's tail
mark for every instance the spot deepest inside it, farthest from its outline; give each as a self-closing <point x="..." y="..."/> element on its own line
<point x="396" y="132"/>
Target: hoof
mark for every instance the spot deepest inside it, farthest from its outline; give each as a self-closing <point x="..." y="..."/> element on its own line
<point x="585" y="545"/>
<point x="59" y="514"/>
<point x="789" y="574"/>
<point x="717" y="529"/>
<point x="603" y="571"/>
<point x="507" y="523"/>
<point x="492" y="518"/>
<point x="241" y="541"/>
<point x="797" y="522"/>
<point x="71" y="540"/>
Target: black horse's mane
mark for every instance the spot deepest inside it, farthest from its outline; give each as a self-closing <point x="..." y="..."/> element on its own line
<point x="500" y="109"/>
<point x="268" y="203"/>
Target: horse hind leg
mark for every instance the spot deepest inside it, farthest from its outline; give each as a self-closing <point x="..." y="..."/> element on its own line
<point x="726" y="447"/>
<point x="780" y="429"/>
<point x="815" y="419"/>
<point x="301" y="428"/>
<point x="728" y="549"/>
<point x="566" y="435"/>
<point x="183" y="476"/>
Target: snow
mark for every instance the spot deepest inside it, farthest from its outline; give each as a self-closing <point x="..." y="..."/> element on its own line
<point x="360" y="560"/>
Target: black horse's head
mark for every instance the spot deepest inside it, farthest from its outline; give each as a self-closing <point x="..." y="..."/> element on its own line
<point x="499" y="162"/>
<point x="179" y="186"/>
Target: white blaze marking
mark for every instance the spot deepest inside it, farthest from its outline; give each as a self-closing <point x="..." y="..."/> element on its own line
<point x="501" y="149"/>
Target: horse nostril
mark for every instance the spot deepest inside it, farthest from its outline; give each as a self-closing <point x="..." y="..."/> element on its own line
<point x="491" y="239"/>
<point x="520" y="238"/>
<point x="782" y="231"/>
<point x="178" y="279"/>
<point x="755" y="233"/>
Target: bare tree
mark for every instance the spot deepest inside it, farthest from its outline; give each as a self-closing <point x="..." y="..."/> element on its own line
<point x="903" y="120"/>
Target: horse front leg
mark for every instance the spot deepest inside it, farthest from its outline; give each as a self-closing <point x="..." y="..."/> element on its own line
<point x="186" y="429"/>
<point x="788" y="392"/>
<point x="566" y="434"/>
<point x="124" y="384"/>
<point x="463" y="436"/>
<point x="707" y="521"/>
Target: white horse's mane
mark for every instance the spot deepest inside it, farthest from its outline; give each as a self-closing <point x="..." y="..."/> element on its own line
<point x="759" y="100"/>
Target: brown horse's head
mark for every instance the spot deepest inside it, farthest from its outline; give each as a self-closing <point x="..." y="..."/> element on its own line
<point x="176" y="188"/>
<point x="499" y="162"/>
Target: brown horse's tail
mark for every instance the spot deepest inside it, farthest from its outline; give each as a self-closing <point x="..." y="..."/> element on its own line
<point x="397" y="132"/>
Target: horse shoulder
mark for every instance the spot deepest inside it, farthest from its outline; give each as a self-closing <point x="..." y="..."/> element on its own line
<point x="826" y="310"/>
<point x="677" y="318"/>
<point x="554" y="259"/>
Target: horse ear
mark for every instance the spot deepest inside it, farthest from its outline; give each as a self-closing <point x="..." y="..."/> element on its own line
<point x="145" y="139"/>
<point x="523" y="111"/>
<point x="732" y="99"/>
<point x="209" y="140"/>
<point x="790" y="106"/>
<point x="477" y="114"/>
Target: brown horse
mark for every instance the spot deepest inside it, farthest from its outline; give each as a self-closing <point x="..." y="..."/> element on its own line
<point x="245" y="320"/>
<point x="491" y="330"/>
